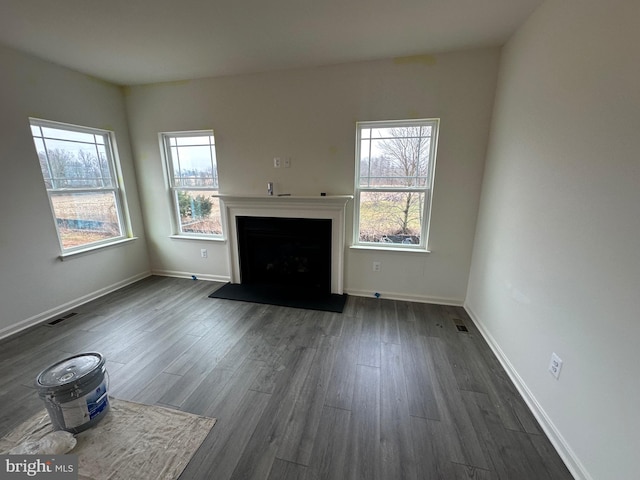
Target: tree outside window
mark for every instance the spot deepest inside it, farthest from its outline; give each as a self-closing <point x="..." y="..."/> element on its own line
<point x="193" y="181"/>
<point x="395" y="164"/>
<point x="79" y="168"/>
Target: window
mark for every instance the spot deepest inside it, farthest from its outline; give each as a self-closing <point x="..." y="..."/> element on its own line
<point x="394" y="179"/>
<point x="193" y="180"/>
<point x="79" y="167"/>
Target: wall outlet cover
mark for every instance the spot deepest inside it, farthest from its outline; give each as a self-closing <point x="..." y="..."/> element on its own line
<point x="555" y="365"/>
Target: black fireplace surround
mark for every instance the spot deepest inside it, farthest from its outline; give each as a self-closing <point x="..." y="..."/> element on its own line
<point x="286" y="253"/>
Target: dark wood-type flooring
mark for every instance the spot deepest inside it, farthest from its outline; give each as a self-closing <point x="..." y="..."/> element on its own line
<point x="385" y="390"/>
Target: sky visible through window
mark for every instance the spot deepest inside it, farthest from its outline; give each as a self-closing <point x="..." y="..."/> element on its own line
<point x="395" y="165"/>
<point x="192" y="163"/>
<point x="78" y="171"/>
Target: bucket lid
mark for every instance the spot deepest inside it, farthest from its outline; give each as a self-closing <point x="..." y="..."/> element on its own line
<point x="70" y="370"/>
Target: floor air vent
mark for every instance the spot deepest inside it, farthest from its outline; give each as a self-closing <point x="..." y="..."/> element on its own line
<point x="460" y="325"/>
<point x="58" y="320"/>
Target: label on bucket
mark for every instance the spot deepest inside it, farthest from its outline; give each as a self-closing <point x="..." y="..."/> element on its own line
<point x="80" y="411"/>
<point x="98" y="400"/>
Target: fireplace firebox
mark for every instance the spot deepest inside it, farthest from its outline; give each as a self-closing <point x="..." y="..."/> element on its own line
<point x="285" y="252"/>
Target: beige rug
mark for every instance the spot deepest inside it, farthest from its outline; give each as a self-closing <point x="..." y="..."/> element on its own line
<point x="132" y="441"/>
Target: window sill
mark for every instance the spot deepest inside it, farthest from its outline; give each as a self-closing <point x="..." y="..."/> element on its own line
<point x="196" y="237"/>
<point x="389" y="249"/>
<point x="83" y="251"/>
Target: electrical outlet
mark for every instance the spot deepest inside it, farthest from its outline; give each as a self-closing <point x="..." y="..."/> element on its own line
<point x="377" y="266"/>
<point x="203" y="252"/>
<point x="277" y="162"/>
<point x="287" y="162"/>
<point x="555" y="365"/>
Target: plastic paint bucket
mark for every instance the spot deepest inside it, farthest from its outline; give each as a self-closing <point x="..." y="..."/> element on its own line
<point x="74" y="391"/>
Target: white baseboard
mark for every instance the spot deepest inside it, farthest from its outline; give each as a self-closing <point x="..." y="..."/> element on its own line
<point x="407" y="298"/>
<point x="568" y="456"/>
<point x="65" y="307"/>
<point x="199" y="276"/>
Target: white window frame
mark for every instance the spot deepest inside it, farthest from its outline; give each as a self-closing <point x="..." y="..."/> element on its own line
<point x="116" y="188"/>
<point x="426" y="190"/>
<point x="165" y="139"/>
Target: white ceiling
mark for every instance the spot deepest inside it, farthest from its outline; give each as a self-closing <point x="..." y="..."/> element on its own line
<point x="132" y="42"/>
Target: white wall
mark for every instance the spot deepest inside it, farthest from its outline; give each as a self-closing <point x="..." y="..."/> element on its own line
<point x="556" y="263"/>
<point x="309" y="115"/>
<point x="34" y="283"/>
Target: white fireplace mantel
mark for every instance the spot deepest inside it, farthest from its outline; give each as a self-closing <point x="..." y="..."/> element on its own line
<point x="329" y="207"/>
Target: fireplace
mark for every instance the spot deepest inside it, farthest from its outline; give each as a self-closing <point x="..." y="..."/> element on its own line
<point x="330" y="209"/>
<point x="292" y="253"/>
